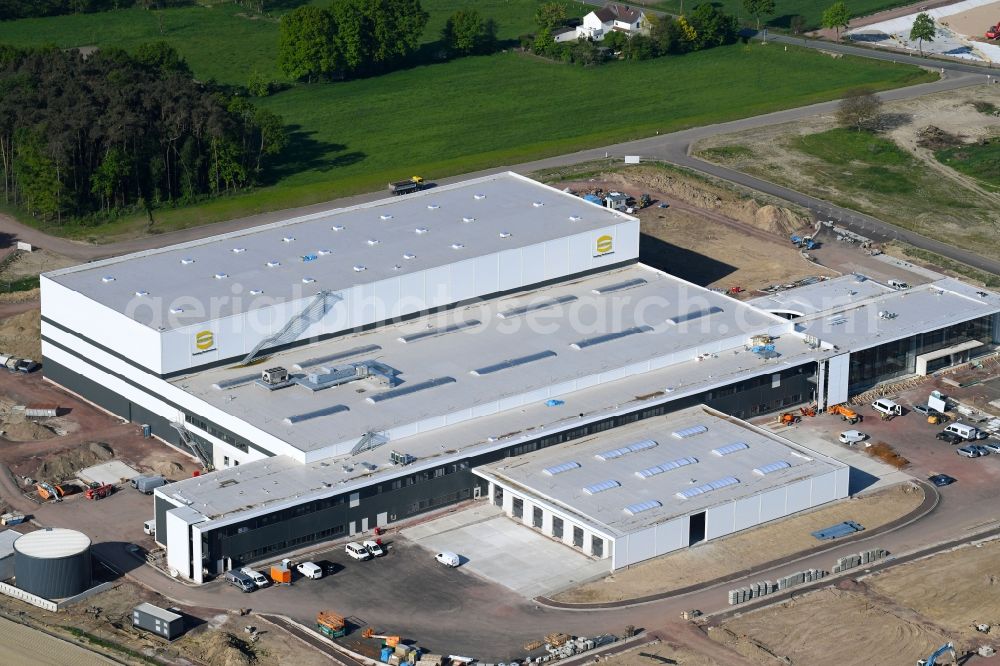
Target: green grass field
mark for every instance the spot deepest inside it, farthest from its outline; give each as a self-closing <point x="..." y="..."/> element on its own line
<point x="981" y="161"/>
<point x="812" y="10"/>
<point x="223" y="42"/>
<point x="454" y="117"/>
<point x="879" y="163"/>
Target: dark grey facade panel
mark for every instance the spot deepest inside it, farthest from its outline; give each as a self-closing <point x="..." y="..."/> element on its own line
<point x="53" y="578"/>
<point x="169" y="629"/>
<point x="160" y="508"/>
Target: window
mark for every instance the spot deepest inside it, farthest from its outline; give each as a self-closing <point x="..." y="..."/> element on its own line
<point x="597" y="547"/>
<point x="517" y="507"/>
<point x="577" y="537"/>
<point x="225" y="461"/>
<point x="536" y="517"/>
<point x="557" y="527"/>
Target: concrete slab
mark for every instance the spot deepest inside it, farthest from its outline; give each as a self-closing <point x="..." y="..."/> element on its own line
<point x="501" y="550"/>
<point x="113" y="471"/>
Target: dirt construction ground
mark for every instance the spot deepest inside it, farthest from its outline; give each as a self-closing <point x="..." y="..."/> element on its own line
<point x="974" y="22"/>
<point x="893" y="617"/>
<point x="728" y="556"/>
<point x="711" y="235"/>
<point x="934" y="200"/>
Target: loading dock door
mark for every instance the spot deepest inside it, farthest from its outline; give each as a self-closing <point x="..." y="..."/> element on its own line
<point x="696" y="528"/>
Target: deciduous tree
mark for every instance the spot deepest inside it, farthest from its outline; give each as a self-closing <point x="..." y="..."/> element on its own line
<point x="466" y="33"/>
<point x="758" y="9"/>
<point x="859" y="109"/>
<point x="923" y="29"/>
<point x="307" y="43"/>
<point x="837" y="17"/>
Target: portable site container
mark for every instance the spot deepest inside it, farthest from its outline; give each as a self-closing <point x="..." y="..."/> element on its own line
<point x="158" y="620"/>
<point x="281" y="573"/>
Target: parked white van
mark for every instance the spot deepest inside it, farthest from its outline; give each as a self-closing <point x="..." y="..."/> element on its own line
<point x="149" y="527"/>
<point x="887" y="407"/>
<point x="259" y="579"/>
<point x="964" y="431"/>
<point x="310" y="570"/>
<point x="357" y="551"/>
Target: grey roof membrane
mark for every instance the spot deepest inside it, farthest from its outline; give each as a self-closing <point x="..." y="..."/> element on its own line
<point x="478" y="217"/>
<point x="673" y="465"/>
<point x="479" y="364"/>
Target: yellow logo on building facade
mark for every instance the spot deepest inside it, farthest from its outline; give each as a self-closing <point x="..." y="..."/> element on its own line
<point x="605" y="244"/>
<point x="204" y="340"/>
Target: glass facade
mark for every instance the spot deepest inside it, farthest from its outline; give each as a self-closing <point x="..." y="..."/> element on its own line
<point x="896" y="359"/>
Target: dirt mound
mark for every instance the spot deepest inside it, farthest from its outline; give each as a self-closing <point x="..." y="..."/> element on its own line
<point x="168" y="469"/>
<point x="935" y="138"/>
<point x="768" y="217"/>
<point x="65" y="464"/>
<point x="15" y="427"/>
<point x="226" y="649"/>
<point x="20" y="335"/>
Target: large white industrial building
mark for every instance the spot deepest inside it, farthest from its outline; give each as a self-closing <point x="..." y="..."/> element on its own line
<point x="413" y="345"/>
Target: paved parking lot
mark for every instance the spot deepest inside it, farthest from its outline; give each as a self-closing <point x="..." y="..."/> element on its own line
<point x="911" y="436"/>
<point x="498" y="549"/>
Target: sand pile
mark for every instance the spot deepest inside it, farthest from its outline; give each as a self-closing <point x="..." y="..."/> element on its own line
<point x="65" y="464"/>
<point x="20" y="335"/>
<point x="226" y="649"/>
<point x="168" y="469"/>
<point x="774" y="219"/>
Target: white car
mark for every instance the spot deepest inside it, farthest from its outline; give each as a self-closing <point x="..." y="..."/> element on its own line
<point x="357" y="551"/>
<point x="852" y="437"/>
<point x="374" y="548"/>
<point x="259" y="579"/>
<point x="448" y="558"/>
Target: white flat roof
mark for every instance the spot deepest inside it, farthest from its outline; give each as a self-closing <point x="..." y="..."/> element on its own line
<point x="821" y="296"/>
<point x="597" y="477"/>
<point x="479" y="216"/>
<point x="892" y="315"/>
<point x="501" y="353"/>
<point x="52" y="543"/>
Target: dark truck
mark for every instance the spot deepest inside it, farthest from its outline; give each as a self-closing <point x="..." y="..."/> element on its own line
<point x="414" y="184"/>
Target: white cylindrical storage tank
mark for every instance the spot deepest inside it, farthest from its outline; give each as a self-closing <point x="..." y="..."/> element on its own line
<point x="53" y="563"/>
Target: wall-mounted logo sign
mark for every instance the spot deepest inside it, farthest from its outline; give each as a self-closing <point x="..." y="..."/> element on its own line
<point x="204" y="341"/>
<point x="605" y="245"/>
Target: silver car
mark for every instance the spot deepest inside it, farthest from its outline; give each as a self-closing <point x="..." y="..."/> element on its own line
<point x="992" y="447"/>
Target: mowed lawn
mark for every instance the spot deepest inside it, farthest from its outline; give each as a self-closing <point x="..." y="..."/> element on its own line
<point x="812" y="10"/>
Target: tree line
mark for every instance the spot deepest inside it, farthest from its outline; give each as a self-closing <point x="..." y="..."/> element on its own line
<point x="706" y="27"/>
<point x="83" y="138"/>
<point x="351" y="38"/>
<point x="17" y="9"/>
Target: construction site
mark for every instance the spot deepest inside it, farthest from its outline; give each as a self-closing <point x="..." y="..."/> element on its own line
<point x="71" y="463"/>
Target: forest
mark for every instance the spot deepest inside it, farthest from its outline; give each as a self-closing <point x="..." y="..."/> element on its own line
<point x="83" y="138"/>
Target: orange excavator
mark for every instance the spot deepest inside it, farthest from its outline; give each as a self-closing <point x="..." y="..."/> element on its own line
<point x="808" y="411"/>
<point x="788" y="418"/>
<point x="845" y="413"/>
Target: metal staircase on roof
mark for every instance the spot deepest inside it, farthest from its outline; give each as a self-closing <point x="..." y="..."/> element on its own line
<point x="193" y="444"/>
<point x="369" y="441"/>
<point x="296" y="326"/>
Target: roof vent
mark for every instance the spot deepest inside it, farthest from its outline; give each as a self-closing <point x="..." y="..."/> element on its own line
<point x="187" y="260"/>
<point x="538" y="204"/>
<point x="273" y="264"/>
<point x="238" y="250"/>
<point x="288" y="239"/>
<point x="221" y="276"/>
<point x="385" y="217"/>
<point x="337" y="227"/>
<point x="142" y="293"/>
<point x="358" y="268"/>
<point x="308" y="280"/>
<point x="373" y="241"/>
<point x="432" y="206"/>
<point x="176" y="310"/>
<point x="323" y="253"/>
<point x="420" y="230"/>
<point x="479" y="197"/>
<point x="457" y="246"/>
<point x="256" y="292"/>
<point x="575" y="218"/>
<point x="396" y="267"/>
<point x="409" y="255"/>
<point x="468" y="220"/>
<point x="505" y="234"/>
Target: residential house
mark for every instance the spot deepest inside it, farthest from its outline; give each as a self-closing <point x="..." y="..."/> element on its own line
<point x="612" y="17"/>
